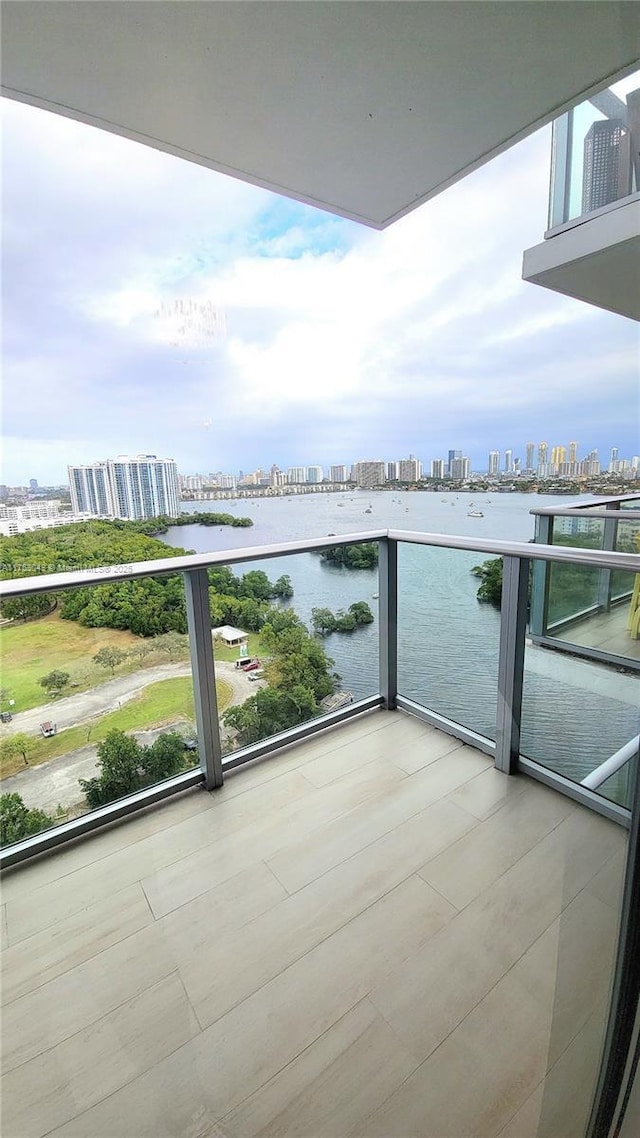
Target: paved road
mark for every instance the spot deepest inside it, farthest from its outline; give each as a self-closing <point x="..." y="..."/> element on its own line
<point x="55" y="783"/>
<point x="75" y="709"/>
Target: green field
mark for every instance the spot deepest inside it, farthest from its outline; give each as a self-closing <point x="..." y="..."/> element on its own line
<point x="163" y="703"/>
<point x="32" y="650"/>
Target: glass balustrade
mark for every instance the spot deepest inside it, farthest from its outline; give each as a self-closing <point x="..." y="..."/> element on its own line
<point x="595" y="154"/>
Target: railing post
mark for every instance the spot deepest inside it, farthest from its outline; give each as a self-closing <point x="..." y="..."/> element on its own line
<point x="388" y="620"/>
<point x="513" y="625"/>
<point x="196" y="584"/>
<point x="540" y="579"/>
<point x="609" y="538"/>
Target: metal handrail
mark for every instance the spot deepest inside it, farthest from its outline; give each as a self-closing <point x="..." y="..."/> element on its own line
<point x="586" y="504"/>
<point x="55" y="582"/>
<point x="612" y="765"/>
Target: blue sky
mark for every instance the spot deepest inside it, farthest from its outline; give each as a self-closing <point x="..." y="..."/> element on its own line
<point x="331" y="342"/>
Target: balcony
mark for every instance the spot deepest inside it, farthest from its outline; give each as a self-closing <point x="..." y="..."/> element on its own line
<point x="382" y="921"/>
<point x="372" y="933"/>
<point x="592" y="246"/>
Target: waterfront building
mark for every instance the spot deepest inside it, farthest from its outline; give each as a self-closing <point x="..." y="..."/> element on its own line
<point x="314" y="474"/>
<point x="370" y="473"/>
<point x="437" y="468"/>
<point x="338" y="473"/>
<point x="392" y="471"/>
<point x="134" y="488"/>
<point x="531" y="447"/>
<point x="494" y="463"/>
<point x="508" y="462"/>
<point x="409" y="469"/>
<point x="297" y="474"/>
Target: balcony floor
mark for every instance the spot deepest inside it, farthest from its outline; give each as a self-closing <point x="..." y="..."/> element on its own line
<point x="373" y="933"/>
<point x="606" y="631"/>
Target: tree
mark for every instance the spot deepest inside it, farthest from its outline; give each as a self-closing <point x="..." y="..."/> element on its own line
<point x="54" y="682"/>
<point x="364" y="556"/>
<point x="28" y="608"/>
<point x="362" y="612"/>
<point x="175" y="645"/>
<point x="490" y="574"/>
<point x="345" y="621"/>
<point x="18" y="822"/>
<point x="18" y="744"/>
<point x="119" y="760"/>
<point x="109" y="657"/>
<point x="323" y="621"/>
<point x="126" y="766"/>
<point x="283" y="588"/>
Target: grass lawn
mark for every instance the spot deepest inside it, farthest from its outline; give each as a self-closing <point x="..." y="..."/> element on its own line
<point x="168" y="701"/>
<point x="29" y="651"/>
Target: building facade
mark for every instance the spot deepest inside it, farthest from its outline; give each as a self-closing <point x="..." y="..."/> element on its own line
<point x="131" y="488"/>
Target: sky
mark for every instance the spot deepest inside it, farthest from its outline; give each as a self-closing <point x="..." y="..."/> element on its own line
<point x="311" y="339"/>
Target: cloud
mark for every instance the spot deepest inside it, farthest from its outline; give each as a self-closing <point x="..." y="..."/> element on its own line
<point x="328" y="342"/>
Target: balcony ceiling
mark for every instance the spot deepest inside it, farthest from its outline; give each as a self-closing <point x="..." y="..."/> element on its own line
<point x="364" y="109"/>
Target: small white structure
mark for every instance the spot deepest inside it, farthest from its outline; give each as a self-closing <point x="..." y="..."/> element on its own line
<point x="229" y="635"/>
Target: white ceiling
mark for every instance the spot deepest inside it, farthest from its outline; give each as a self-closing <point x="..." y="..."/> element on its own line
<point x="365" y="109"/>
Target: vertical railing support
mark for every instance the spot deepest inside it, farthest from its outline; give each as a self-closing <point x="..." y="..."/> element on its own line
<point x="388" y="620"/>
<point x="540" y="579"/>
<point x="196" y="583"/>
<point x="513" y="625"/>
<point x="609" y="541"/>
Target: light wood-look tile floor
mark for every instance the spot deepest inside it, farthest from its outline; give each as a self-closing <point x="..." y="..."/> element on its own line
<point x="371" y="934"/>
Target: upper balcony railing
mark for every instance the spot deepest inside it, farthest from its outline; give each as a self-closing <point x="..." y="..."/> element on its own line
<point x="432" y="650"/>
<point x="588" y="614"/>
<point x="595" y="163"/>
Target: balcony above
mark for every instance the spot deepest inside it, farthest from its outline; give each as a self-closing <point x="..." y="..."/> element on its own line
<point x="596" y="259"/>
<point x="364" y="109"/>
<point x="372" y="933"/>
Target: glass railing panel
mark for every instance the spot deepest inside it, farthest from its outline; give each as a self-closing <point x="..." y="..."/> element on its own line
<point x="448" y="639"/>
<point x="627" y="541"/>
<point x="577" y="712"/>
<point x="311" y="645"/>
<point x="573" y="590"/>
<point x="97" y="699"/>
<point x="593" y="154"/>
<point x="618" y="787"/>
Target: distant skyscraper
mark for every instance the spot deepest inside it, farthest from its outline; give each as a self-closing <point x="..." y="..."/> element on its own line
<point x="613" y="460"/>
<point x="33" y="484"/>
<point x="370" y="473"/>
<point x="297" y="474"/>
<point x="451" y="458"/>
<point x="392" y="471"/>
<point x="338" y="474"/>
<point x="573" y="452"/>
<point x="459" y="467"/>
<point x="314" y="474"/>
<point x="437" y="468"/>
<point x="508" y="461"/>
<point x="606" y="166"/>
<point x="494" y="463"/>
<point x="558" y="455"/>
<point x="133" y="488"/>
<point x="409" y="469"/>
<point x="531" y="447"/>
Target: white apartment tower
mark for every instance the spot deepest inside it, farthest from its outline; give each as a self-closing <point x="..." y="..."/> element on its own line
<point x="494" y="462"/>
<point x="132" y="488"/>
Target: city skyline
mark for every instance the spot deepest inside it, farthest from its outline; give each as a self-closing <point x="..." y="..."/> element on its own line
<point x="153" y="305"/>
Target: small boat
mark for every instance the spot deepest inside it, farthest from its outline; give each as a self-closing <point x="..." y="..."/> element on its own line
<point x="375" y="596"/>
<point x="475" y="514"/>
<point x="331" y="535"/>
<point x="368" y="511"/>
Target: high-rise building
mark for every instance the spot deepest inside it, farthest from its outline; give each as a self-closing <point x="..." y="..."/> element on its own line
<point x="33" y="484"/>
<point x="370" y="473"/>
<point x="508" y="462"/>
<point x="459" y="467"/>
<point x="437" y="468"/>
<point x="452" y="456"/>
<point x="613" y="459"/>
<point x="392" y="471"/>
<point x="558" y="455"/>
<point x="543" y="451"/>
<point x="494" y="462"/>
<point x="338" y="473"/>
<point x="531" y="447"/>
<point x="133" y="488"/>
<point x="314" y="474"/>
<point x="573" y="452"/>
<point x="409" y="469"/>
<point x="297" y="474"/>
<point x="606" y="172"/>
